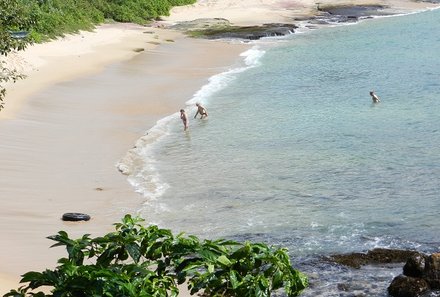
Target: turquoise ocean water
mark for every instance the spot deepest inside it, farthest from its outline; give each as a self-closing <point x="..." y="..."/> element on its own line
<point x="295" y="153"/>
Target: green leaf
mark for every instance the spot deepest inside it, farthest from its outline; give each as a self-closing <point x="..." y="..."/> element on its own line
<point x="234" y="281"/>
<point x="189" y="264"/>
<point x="224" y="260"/>
<point x="208" y="255"/>
<point x="277" y="280"/>
<point x="134" y="251"/>
<point x="31" y="276"/>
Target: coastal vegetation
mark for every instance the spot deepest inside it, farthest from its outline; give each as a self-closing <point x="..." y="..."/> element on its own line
<point x="14" y="17"/>
<point x="135" y="260"/>
<point x="25" y="21"/>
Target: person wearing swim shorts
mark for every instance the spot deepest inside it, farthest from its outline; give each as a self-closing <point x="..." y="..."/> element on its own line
<point x="201" y="110"/>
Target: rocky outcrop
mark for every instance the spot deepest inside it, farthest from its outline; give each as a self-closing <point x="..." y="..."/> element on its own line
<point x="330" y="14"/>
<point x="221" y="29"/>
<point x="354" y="11"/>
<point x="251" y="32"/>
<point x="421" y="274"/>
<point x="375" y="256"/>
<point x="407" y="286"/>
<point x="414" y="266"/>
<point x="432" y="271"/>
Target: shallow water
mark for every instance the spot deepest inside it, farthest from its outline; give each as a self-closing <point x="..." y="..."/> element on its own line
<point x="295" y="153"/>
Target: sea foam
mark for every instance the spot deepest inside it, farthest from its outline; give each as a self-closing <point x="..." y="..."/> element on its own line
<point x="219" y="81"/>
<point x="139" y="162"/>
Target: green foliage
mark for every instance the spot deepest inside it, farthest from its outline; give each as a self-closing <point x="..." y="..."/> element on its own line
<point x="58" y="17"/>
<point x="137" y="11"/>
<point x="227" y="268"/>
<point x="15" y="16"/>
<point x="148" y="261"/>
<point x="15" y="19"/>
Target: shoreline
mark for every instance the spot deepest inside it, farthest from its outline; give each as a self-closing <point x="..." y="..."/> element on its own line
<point x="97" y="186"/>
<point x="62" y="141"/>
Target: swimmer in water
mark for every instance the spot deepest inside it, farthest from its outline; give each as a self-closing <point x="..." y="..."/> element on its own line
<point x="201" y="110"/>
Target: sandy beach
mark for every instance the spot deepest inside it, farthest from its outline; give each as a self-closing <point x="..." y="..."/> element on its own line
<point x="59" y="151"/>
<point x="61" y="139"/>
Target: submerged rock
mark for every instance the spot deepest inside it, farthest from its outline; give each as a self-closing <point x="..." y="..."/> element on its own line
<point x="375" y="256"/>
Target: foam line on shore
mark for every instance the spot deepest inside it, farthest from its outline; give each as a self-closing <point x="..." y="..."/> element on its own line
<point x="139" y="162"/>
<point x="217" y="82"/>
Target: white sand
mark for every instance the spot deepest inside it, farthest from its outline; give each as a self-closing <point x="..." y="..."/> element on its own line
<point x="39" y="182"/>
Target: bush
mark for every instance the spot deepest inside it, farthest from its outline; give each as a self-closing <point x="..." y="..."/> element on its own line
<point x="57" y="17"/>
<point x="16" y="18"/>
<point x="148" y="261"/>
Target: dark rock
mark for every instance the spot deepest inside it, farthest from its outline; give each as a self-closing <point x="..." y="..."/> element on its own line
<point x="343" y="287"/>
<point x="414" y="266"/>
<point x="218" y="28"/>
<point x="422" y="277"/>
<point x="375" y="256"/>
<point x="406" y="286"/>
<point x="249" y="32"/>
<point x="354" y="11"/>
<point x="354" y="260"/>
<point x="432" y="270"/>
<point x="378" y="256"/>
<point x="330" y="14"/>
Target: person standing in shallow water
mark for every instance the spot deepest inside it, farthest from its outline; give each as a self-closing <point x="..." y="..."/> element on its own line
<point x="374" y="97"/>
<point x="201" y="110"/>
<point x="184" y="119"/>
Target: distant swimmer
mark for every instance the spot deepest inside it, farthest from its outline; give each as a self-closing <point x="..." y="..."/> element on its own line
<point x="374" y="97"/>
<point x="201" y="110"/>
<point x="184" y="119"/>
